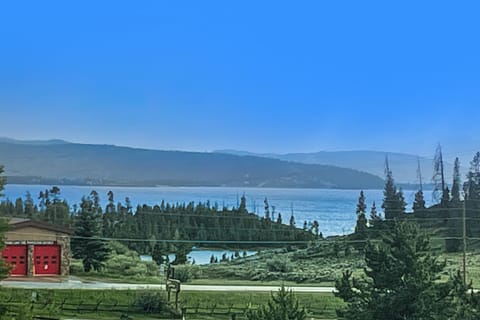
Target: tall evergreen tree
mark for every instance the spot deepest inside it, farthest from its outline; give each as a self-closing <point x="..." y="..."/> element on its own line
<point x="373" y="212"/>
<point x="3" y="179"/>
<point x="267" y="209"/>
<point x="279" y="218"/>
<point x="292" y="221"/>
<point x="315" y="229"/>
<point x="419" y="201"/>
<point x="243" y="204"/>
<point x="29" y="205"/>
<point x="19" y="207"/>
<point x="111" y="202"/>
<point x="158" y="253"/>
<point x="393" y="201"/>
<point x="86" y="244"/>
<point x="402" y="281"/>
<point x="440" y="187"/>
<point x="454" y="213"/>
<point x="55" y="192"/>
<point x="472" y="196"/>
<point x="283" y="305"/>
<point x="361" y="226"/>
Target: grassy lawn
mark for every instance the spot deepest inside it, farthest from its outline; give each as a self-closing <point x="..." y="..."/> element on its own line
<point x="454" y="263"/>
<point x="99" y="304"/>
<point x="123" y="304"/>
<point x="233" y="282"/>
<point x="219" y="305"/>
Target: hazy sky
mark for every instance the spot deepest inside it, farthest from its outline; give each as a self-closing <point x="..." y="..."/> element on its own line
<point x="264" y="76"/>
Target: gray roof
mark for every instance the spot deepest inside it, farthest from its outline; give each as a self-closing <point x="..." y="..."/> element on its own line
<point x="17" y="220"/>
<point x="18" y="223"/>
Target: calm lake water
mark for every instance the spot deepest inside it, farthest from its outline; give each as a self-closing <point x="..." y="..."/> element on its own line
<point x="202" y="256"/>
<point x="333" y="209"/>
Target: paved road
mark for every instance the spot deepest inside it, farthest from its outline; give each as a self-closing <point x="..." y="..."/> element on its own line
<point x="74" y="284"/>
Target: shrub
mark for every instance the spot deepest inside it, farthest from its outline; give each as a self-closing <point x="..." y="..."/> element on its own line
<point x="183" y="274"/>
<point x="122" y="265"/>
<point x="119" y="248"/>
<point x="279" y="265"/>
<point x="151" y="301"/>
<point x="76" y="266"/>
<point x="282" y="305"/>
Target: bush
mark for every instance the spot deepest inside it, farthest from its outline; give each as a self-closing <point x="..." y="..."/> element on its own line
<point x="153" y="269"/>
<point x="282" y="265"/>
<point x="282" y="305"/>
<point x="119" y="248"/>
<point x="183" y="274"/>
<point x="76" y="266"/>
<point x="151" y="301"/>
<point x="122" y="265"/>
<point x="129" y="264"/>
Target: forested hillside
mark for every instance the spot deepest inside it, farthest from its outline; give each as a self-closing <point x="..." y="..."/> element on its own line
<point x="404" y="165"/>
<point x="60" y="162"/>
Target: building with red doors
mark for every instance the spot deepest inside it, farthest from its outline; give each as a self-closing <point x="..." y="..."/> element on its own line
<point x="36" y="248"/>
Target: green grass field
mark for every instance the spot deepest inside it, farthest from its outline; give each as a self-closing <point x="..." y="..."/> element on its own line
<point x="123" y="304"/>
<point x="220" y="305"/>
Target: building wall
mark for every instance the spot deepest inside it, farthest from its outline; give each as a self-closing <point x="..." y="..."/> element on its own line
<point x="32" y="236"/>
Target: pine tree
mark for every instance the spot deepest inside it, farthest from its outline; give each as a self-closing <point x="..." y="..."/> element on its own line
<point x="3" y="179"/>
<point x="402" y="280"/>
<point x="279" y="218"/>
<point x="283" y="305"/>
<point x="393" y="201"/>
<point x="181" y="249"/>
<point x="292" y="220"/>
<point x="243" y="204"/>
<point x="111" y="203"/>
<point x="440" y="188"/>
<point x="267" y="209"/>
<point x="19" y="207"/>
<point x="29" y="205"/>
<point x="454" y="213"/>
<point x="373" y="213"/>
<point x="86" y="244"/>
<point x="419" y="202"/>
<point x="361" y="226"/>
<point x="55" y="191"/>
<point x="472" y="195"/>
<point x="158" y="253"/>
<point x="316" y="229"/>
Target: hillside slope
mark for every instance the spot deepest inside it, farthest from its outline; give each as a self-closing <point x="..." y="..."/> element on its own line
<point x="62" y="162"/>
<point x="404" y="166"/>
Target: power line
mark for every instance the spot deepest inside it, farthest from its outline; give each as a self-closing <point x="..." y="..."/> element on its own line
<point x="237" y="241"/>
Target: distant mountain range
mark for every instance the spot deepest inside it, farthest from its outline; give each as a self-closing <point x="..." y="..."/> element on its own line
<point x="61" y="162"/>
<point x="403" y="166"/>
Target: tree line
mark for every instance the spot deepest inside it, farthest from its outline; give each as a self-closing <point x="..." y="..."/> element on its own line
<point x="157" y="230"/>
<point x="445" y="215"/>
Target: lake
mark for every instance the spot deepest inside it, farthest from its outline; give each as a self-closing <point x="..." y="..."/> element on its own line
<point x="333" y="209"/>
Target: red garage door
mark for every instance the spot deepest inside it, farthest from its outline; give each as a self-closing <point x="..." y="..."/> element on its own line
<point x="46" y="259"/>
<point x="16" y="256"/>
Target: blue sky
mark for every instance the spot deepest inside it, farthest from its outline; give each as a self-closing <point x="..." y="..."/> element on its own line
<point x="263" y="76"/>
